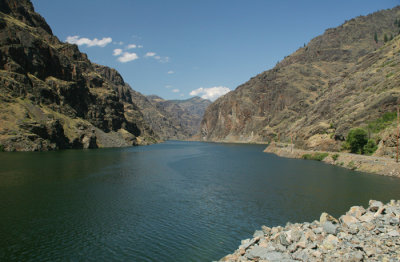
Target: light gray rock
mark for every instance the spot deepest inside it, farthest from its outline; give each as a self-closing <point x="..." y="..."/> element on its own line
<point x="330" y="228"/>
<point x="375" y="205"/>
<point x="280" y="248"/>
<point x="348" y="220"/>
<point x="258" y="233"/>
<point x="317" y="230"/>
<point x="330" y="242"/>
<point x="283" y="239"/>
<point x="326" y="217"/>
<point x="301" y="255"/>
<point x="263" y="253"/>
<point x="353" y="229"/>
<point x="356" y="211"/>
<point x="394" y="233"/>
<point x="247" y="243"/>
<point x="394" y="221"/>
<point x="368" y="217"/>
<point x="354" y="256"/>
<point x="296" y="235"/>
<point x="266" y="230"/>
<point x="360" y="235"/>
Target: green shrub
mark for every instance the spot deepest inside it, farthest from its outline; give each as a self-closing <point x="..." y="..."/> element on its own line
<point x="370" y="147"/>
<point x="389" y="75"/>
<point x="382" y="123"/>
<point x="351" y="165"/>
<point x="356" y="140"/>
<point x="335" y="157"/>
<point x="1" y="148"/>
<point x="315" y="156"/>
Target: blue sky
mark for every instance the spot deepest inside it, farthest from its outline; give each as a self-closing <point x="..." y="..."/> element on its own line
<point x="178" y="47"/>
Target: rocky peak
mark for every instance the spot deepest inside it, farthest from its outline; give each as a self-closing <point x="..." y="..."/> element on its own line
<point x="110" y="74"/>
<point x="23" y="10"/>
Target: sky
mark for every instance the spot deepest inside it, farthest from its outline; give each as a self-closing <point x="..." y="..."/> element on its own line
<point x="178" y="49"/>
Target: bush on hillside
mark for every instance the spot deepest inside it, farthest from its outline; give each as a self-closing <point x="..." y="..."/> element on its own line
<point x="370" y="147"/>
<point x="356" y="140"/>
<point x="315" y="156"/>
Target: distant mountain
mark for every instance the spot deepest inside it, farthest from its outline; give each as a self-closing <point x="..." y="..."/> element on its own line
<point x="347" y="77"/>
<point x="53" y="97"/>
<point x="175" y="119"/>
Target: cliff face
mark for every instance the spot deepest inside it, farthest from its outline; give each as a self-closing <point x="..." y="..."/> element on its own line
<point x="52" y="96"/>
<point x="341" y="79"/>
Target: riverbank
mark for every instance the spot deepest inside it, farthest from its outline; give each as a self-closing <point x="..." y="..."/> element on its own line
<point x="370" y="164"/>
<point x="370" y="234"/>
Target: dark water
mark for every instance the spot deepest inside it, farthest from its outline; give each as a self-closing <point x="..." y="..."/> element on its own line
<point x="177" y="201"/>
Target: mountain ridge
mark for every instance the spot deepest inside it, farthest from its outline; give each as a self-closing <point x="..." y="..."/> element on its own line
<point x="277" y="104"/>
<point x="53" y="97"/>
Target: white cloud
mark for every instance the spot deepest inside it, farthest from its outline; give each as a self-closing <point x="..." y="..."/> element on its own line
<point x="175" y="90"/>
<point x="168" y="86"/>
<point x="170" y="72"/>
<point x="131" y="46"/>
<point x="164" y="59"/>
<point x="157" y="57"/>
<point x="89" y="42"/>
<point x="117" y="52"/>
<point x="126" y="57"/>
<point x="211" y="93"/>
<point x="139" y="46"/>
<point x="150" y="54"/>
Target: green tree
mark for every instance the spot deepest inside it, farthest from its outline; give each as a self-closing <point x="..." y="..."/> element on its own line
<point x="391" y="36"/>
<point x="356" y="139"/>
<point x="370" y="147"/>
<point x="385" y="38"/>
<point x="376" y="37"/>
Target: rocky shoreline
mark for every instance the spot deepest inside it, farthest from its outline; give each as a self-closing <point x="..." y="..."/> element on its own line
<point x="370" y="164"/>
<point x="371" y="234"/>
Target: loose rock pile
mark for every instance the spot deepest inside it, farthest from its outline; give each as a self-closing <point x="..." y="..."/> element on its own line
<point x="371" y="234"/>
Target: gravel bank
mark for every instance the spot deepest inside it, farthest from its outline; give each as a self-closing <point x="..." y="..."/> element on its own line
<point x="370" y="164"/>
<point x="370" y="234"/>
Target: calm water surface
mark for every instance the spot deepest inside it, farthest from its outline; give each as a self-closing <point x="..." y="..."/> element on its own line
<point x="177" y="201"/>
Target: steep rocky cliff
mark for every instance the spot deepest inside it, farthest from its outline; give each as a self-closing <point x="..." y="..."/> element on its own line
<point x="52" y="96"/>
<point x="341" y="79"/>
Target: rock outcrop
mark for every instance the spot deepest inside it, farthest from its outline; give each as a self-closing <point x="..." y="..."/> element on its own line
<point x="370" y="234"/>
<point x="53" y="97"/>
<point x="341" y="79"/>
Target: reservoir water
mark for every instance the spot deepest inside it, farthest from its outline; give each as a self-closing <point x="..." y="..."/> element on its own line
<point x="176" y="201"/>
